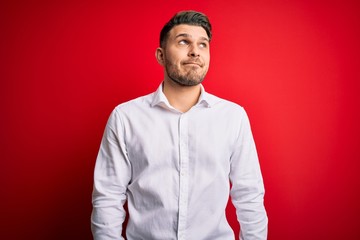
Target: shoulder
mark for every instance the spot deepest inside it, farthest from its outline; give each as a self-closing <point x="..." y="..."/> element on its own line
<point x="141" y="102"/>
<point x="130" y="109"/>
<point x="224" y="105"/>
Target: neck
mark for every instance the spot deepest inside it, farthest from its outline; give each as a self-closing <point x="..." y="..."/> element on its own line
<point x="180" y="97"/>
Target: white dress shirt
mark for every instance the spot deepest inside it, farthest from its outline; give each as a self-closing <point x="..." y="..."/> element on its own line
<point x="173" y="169"/>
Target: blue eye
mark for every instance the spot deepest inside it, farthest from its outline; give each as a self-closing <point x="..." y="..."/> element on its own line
<point x="203" y="45"/>
<point x="183" y="42"/>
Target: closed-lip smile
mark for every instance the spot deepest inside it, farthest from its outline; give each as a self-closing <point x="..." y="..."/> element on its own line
<point x="192" y="63"/>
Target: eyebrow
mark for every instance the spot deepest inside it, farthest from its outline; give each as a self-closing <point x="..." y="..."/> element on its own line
<point x="190" y="36"/>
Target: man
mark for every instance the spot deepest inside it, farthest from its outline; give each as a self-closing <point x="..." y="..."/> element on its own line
<point x="171" y="154"/>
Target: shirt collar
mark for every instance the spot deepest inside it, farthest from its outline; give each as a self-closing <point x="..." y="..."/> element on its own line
<point x="159" y="98"/>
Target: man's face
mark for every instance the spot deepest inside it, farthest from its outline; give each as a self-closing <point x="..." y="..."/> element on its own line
<point x="187" y="55"/>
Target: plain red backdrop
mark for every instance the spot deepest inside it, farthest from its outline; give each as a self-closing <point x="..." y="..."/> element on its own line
<point x="293" y="65"/>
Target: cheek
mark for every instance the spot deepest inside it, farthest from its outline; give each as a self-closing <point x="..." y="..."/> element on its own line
<point x="173" y="59"/>
<point x="175" y="55"/>
<point x="207" y="60"/>
<point x="206" y="56"/>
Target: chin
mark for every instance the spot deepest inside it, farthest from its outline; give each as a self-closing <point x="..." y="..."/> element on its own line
<point x="187" y="82"/>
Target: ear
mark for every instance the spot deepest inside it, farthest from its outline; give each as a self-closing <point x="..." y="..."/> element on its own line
<point x="159" y="54"/>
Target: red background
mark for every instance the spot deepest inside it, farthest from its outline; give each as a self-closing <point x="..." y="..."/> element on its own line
<point x="293" y="65"/>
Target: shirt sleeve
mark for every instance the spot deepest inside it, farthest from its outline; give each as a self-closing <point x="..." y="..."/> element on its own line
<point x="247" y="191"/>
<point x="111" y="177"/>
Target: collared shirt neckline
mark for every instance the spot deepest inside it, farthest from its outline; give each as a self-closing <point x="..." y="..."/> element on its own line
<point x="159" y="99"/>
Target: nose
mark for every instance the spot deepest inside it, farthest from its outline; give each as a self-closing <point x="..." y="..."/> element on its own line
<point x="194" y="51"/>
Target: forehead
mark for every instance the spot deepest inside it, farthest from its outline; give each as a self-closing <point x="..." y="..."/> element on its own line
<point x="195" y="32"/>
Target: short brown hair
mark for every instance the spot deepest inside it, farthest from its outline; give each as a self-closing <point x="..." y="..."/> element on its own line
<point x="185" y="17"/>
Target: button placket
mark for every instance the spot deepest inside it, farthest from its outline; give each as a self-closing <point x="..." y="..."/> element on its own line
<point x="183" y="175"/>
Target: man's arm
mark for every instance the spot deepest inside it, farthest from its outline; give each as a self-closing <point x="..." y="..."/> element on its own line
<point x="247" y="192"/>
<point x="111" y="177"/>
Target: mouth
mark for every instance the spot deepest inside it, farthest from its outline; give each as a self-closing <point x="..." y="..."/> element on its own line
<point x="193" y="64"/>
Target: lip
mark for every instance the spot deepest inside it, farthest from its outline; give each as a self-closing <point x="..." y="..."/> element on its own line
<point x="192" y="63"/>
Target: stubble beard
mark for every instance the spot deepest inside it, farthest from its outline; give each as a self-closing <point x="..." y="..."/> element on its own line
<point x="188" y="78"/>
